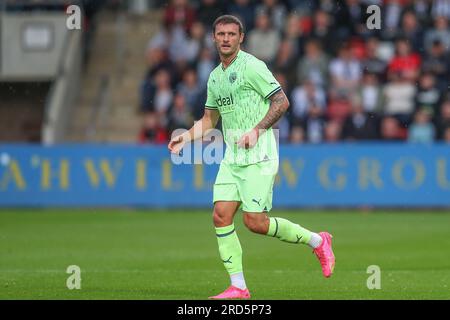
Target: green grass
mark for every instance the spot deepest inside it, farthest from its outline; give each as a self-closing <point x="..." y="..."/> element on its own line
<point x="127" y="254"/>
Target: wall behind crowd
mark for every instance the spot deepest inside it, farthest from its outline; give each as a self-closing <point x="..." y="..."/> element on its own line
<point x="344" y="81"/>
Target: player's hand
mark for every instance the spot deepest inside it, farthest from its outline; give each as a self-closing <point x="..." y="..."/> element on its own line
<point x="176" y="144"/>
<point x="248" y="140"/>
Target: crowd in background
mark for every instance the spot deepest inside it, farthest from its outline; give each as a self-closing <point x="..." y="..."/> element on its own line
<point x="345" y="82"/>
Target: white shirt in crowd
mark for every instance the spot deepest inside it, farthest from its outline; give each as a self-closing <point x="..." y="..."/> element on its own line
<point x="346" y="70"/>
<point x="399" y="98"/>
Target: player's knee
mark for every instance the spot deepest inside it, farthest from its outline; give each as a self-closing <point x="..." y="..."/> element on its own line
<point x="256" y="223"/>
<point x="221" y="217"/>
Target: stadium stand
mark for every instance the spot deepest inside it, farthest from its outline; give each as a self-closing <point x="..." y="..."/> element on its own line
<point x="151" y="59"/>
<point x="40" y="67"/>
<point x="342" y="78"/>
<point x="106" y="109"/>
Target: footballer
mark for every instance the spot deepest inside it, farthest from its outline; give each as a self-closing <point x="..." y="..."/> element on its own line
<point x="243" y="91"/>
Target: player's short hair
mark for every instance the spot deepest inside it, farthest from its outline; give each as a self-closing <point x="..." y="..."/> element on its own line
<point x="227" y="19"/>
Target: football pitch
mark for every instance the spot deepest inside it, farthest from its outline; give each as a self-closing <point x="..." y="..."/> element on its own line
<point x="172" y="255"/>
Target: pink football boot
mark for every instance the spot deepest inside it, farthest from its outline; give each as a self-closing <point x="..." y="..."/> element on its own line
<point x="233" y="293"/>
<point x="325" y="254"/>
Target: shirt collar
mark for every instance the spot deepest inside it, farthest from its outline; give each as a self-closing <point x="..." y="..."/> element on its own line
<point x="238" y="54"/>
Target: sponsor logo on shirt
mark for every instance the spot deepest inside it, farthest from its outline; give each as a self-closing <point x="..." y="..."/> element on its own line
<point x="225" y="104"/>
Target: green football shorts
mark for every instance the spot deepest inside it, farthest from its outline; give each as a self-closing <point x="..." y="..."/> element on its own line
<point x="252" y="185"/>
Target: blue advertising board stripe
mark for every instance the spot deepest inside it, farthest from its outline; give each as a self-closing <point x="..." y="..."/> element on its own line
<point x="309" y="176"/>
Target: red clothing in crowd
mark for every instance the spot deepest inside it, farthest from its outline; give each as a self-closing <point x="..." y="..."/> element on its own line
<point x="158" y="136"/>
<point x="404" y="63"/>
<point x="184" y="16"/>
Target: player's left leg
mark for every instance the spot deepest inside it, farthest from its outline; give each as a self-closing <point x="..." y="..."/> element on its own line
<point x="256" y="197"/>
<point x="290" y="232"/>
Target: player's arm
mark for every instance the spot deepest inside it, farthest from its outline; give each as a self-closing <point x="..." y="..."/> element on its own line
<point x="198" y="130"/>
<point x="278" y="106"/>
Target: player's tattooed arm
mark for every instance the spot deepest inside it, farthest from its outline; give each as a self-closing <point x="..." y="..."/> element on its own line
<point x="278" y="106"/>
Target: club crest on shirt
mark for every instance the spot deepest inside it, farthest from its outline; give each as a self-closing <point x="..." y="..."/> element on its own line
<point x="233" y="77"/>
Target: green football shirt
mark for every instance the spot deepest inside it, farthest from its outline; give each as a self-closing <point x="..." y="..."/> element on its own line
<point x="241" y="94"/>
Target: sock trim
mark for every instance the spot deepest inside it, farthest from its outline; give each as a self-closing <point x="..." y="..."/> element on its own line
<point x="225" y="234"/>
<point x="276" y="227"/>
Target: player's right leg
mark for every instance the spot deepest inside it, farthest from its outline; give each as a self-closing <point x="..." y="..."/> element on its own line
<point x="230" y="249"/>
<point x="226" y="203"/>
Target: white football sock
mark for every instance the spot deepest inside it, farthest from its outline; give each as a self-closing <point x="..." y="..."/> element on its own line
<point x="238" y="280"/>
<point x="316" y="240"/>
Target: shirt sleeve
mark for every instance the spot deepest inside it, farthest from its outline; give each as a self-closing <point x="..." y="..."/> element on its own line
<point x="210" y="98"/>
<point x="261" y="79"/>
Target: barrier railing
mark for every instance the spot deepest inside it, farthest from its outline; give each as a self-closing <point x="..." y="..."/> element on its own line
<point x="64" y="90"/>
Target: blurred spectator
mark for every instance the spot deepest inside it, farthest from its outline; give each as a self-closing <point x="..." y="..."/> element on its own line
<point x="443" y="121"/>
<point x="179" y="115"/>
<point x="205" y="65"/>
<point x="177" y="45"/>
<point x="160" y="97"/>
<point x="314" y="125"/>
<point x="292" y="33"/>
<point x="199" y="107"/>
<point x="333" y="131"/>
<point x="446" y="135"/>
<point x="339" y="106"/>
<point x="421" y="130"/>
<point x="399" y="98"/>
<point x="371" y="62"/>
<point x="391" y="18"/>
<point x="303" y="7"/>
<point x="441" y="8"/>
<point x="189" y="88"/>
<point x="168" y="40"/>
<point x="179" y="14"/>
<point x="305" y="97"/>
<point x="297" y="135"/>
<point x="276" y="11"/>
<point x="313" y="66"/>
<point x="302" y="41"/>
<point x="412" y="31"/>
<point x="161" y="40"/>
<point x="285" y="60"/>
<point x="360" y="125"/>
<point x="325" y="5"/>
<point x="157" y="59"/>
<point x="244" y="10"/>
<point x="428" y="95"/>
<point x="438" y="63"/>
<point x="209" y="11"/>
<point x="405" y="61"/>
<point x="371" y="93"/>
<point x="391" y="130"/>
<point x="422" y="9"/>
<point x="323" y="31"/>
<point x="152" y="131"/>
<point x="350" y="18"/>
<point x="263" y="41"/>
<point x="280" y="76"/>
<point x="345" y="71"/>
<point x="440" y="33"/>
<point x="194" y="42"/>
